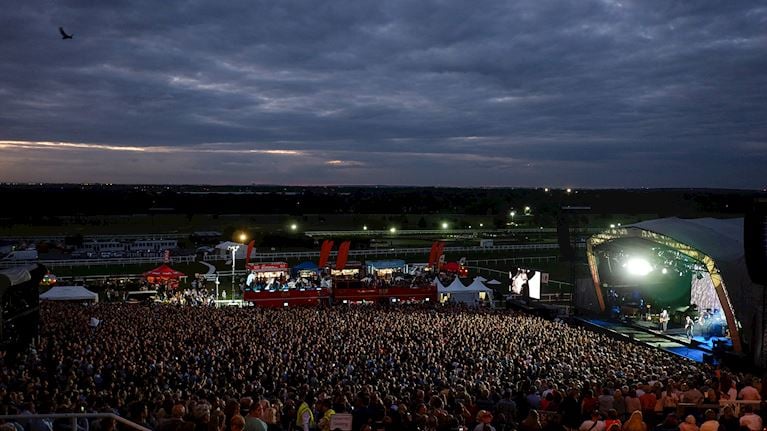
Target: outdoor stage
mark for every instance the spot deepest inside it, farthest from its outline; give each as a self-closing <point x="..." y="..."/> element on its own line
<point x="673" y="341"/>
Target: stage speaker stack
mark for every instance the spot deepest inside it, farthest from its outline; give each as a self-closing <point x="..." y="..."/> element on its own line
<point x="19" y="307"/>
<point x="755" y="242"/>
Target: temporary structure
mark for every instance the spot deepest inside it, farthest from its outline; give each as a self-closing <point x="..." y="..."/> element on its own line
<point x="69" y="293"/>
<point x="716" y="249"/>
<point x="471" y="295"/>
<point x="162" y="273"/>
<point x="483" y="292"/>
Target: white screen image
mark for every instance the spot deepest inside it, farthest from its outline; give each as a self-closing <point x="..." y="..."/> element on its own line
<point x="518" y="281"/>
<point x="535" y="285"/>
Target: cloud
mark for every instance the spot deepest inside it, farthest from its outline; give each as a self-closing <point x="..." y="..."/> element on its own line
<point x="593" y="93"/>
<point x="345" y="164"/>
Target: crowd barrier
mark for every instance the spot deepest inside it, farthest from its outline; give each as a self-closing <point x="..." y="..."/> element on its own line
<point x="737" y="405"/>
<point x="100" y="262"/>
<point x="684" y="409"/>
<point x="73" y="417"/>
<point x="387" y="251"/>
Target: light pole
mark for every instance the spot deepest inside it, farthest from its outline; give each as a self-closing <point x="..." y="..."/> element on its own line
<point x="233" y="249"/>
<point x="217" y="283"/>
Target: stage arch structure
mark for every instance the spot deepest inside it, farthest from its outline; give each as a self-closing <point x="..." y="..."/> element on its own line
<point x="705" y="249"/>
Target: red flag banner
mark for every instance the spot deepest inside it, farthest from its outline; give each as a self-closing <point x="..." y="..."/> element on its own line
<point x="433" y="253"/>
<point x="440" y="256"/>
<point x="343" y="255"/>
<point x="251" y="244"/>
<point x="327" y="245"/>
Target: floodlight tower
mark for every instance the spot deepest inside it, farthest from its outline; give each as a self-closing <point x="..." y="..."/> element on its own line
<point x="233" y="249"/>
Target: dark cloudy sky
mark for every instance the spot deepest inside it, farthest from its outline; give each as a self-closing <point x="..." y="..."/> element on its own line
<point x="576" y="93"/>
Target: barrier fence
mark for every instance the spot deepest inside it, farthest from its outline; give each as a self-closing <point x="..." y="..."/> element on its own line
<point x="682" y="410"/>
<point x="69" y="263"/>
<point x="74" y="417"/>
<point x="264" y="257"/>
<point x="388" y="252"/>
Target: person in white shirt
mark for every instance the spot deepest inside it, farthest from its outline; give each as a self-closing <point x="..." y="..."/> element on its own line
<point x="731" y="393"/>
<point x="749" y="393"/>
<point x="711" y="424"/>
<point x="593" y="424"/>
<point x="664" y="318"/>
<point x="750" y="420"/>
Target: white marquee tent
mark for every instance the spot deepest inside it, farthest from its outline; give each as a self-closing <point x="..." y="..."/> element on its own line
<point x="69" y="293"/>
<point x="471" y="295"/>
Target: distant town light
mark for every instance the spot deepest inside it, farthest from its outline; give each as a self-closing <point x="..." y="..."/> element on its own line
<point x="481" y="225"/>
<point x="444" y="225"/>
<point x="364" y="227"/>
<point x="293" y="226"/>
<point x="569" y="190"/>
<point x="513" y="213"/>
<point x="612" y="226"/>
<point x="393" y="230"/>
<point x="546" y="190"/>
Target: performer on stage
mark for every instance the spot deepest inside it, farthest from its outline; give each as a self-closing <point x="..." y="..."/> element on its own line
<point x="688" y="324"/>
<point x="664" y="318"/>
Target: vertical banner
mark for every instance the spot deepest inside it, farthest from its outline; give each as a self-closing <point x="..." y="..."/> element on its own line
<point x="250" y="250"/>
<point x="166" y="256"/>
<point x="433" y="253"/>
<point x="327" y="245"/>
<point x="440" y="256"/>
<point x="343" y="255"/>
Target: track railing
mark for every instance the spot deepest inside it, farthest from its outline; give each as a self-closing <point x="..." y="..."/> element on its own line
<point x="74" y="417"/>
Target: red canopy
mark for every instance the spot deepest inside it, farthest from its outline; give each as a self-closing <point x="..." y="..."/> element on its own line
<point x="452" y="267"/>
<point x="163" y="272"/>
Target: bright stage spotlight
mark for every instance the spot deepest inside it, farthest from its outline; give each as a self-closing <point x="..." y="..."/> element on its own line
<point x="638" y="266"/>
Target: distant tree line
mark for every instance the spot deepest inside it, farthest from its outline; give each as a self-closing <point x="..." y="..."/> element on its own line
<point x="64" y="204"/>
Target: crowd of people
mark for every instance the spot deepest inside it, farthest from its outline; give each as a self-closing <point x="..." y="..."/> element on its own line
<point x="413" y="367"/>
<point x="260" y="283"/>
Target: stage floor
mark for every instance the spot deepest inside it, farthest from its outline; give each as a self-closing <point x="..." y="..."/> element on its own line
<point x="674" y="340"/>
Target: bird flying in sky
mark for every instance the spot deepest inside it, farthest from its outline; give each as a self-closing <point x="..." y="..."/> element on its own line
<point x="64" y="35"/>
